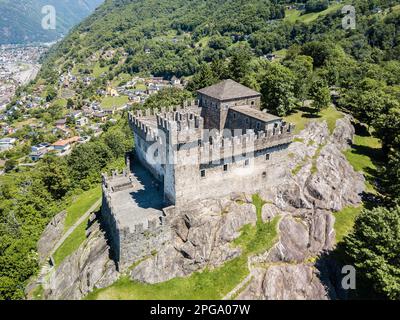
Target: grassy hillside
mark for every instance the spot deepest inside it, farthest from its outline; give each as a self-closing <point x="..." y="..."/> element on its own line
<point x="294" y="15"/>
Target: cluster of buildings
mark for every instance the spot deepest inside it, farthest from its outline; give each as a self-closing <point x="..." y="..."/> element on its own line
<point x="60" y="148"/>
<point x="140" y="89"/>
<point x="18" y="66"/>
<point x="21" y="53"/>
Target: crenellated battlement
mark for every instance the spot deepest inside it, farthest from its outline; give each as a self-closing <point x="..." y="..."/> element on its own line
<point x="179" y="121"/>
<point x="248" y="143"/>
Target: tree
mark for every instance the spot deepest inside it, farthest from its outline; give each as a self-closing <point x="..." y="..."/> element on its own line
<point x="374" y="248"/>
<point x="277" y="89"/>
<point x="239" y="64"/>
<point x="319" y="51"/>
<point x="51" y="93"/>
<point x="70" y="103"/>
<point x="55" y="176"/>
<point x="320" y="94"/>
<point x="10" y="165"/>
<point x="302" y="68"/>
<point x="387" y="128"/>
<point x="204" y="78"/>
<point x="392" y="176"/>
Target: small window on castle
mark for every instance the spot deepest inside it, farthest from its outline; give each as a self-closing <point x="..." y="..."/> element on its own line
<point x="203" y="173"/>
<point x="246" y="163"/>
<point x="258" y="126"/>
<point x="225" y="167"/>
<point x="252" y="103"/>
<point x="247" y="120"/>
<point x="234" y="115"/>
<point x="156" y="153"/>
<point x="267" y="156"/>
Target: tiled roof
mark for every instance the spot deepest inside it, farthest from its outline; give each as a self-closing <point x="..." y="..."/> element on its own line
<point x="228" y="89"/>
<point x="61" y="143"/>
<point x="255" y="113"/>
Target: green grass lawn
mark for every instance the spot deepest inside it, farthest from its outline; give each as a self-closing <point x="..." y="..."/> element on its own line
<point x="61" y="102"/>
<point x="365" y="152"/>
<point x="344" y="221"/>
<point x="208" y="284"/>
<point x="293" y="15"/>
<point x="71" y="244"/>
<point x="301" y="117"/>
<point x="80" y="205"/>
<point x="110" y="102"/>
<point x="140" y="86"/>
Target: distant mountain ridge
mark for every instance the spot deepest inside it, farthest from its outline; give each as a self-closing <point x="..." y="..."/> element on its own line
<point x="21" y="20"/>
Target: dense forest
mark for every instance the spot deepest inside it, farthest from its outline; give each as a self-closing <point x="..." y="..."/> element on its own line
<point x="227" y="39"/>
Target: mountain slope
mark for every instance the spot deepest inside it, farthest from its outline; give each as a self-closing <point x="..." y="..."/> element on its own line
<point x="21" y="20"/>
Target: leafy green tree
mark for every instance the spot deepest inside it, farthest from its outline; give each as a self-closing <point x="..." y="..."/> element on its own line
<point x="55" y="176"/>
<point x="10" y="165"/>
<point x="277" y="89"/>
<point x="115" y="139"/>
<point x="70" y="103"/>
<point x="392" y="176"/>
<point x="167" y="97"/>
<point x="387" y="128"/>
<point x="374" y="248"/>
<point x="51" y="93"/>
<point x="319" y="51"/>
<point x="320" y="94"/>
<point x="302" y="68"/>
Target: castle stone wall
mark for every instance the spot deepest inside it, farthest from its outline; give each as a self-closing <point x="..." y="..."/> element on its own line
<point x="134" y="241"/>
<point x="265" y="168"/>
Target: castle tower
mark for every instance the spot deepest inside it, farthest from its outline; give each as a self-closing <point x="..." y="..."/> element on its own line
<point x="182" y="133"/>
<point x="216" y="100"/>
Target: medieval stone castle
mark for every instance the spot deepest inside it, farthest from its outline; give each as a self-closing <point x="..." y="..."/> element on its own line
<point x="218" y="145"/>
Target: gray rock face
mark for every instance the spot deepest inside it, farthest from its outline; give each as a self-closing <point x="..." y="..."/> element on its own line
<point x="324" y="179"/>
<point x="303" y="237"/>
<point x="51" y="235"/>
<point x="326" y="182"/>
<point x="203" y="237"/>
<point x="285" y="282"/>
<point x="87" y="268"/>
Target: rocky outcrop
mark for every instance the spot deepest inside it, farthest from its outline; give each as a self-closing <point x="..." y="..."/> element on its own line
<point x="87" y="268"/>
<point x="325" y="183"/>
<point x="285" y="282"/>
<point x="203" y="238"/>
<point x="51" y="235"/>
